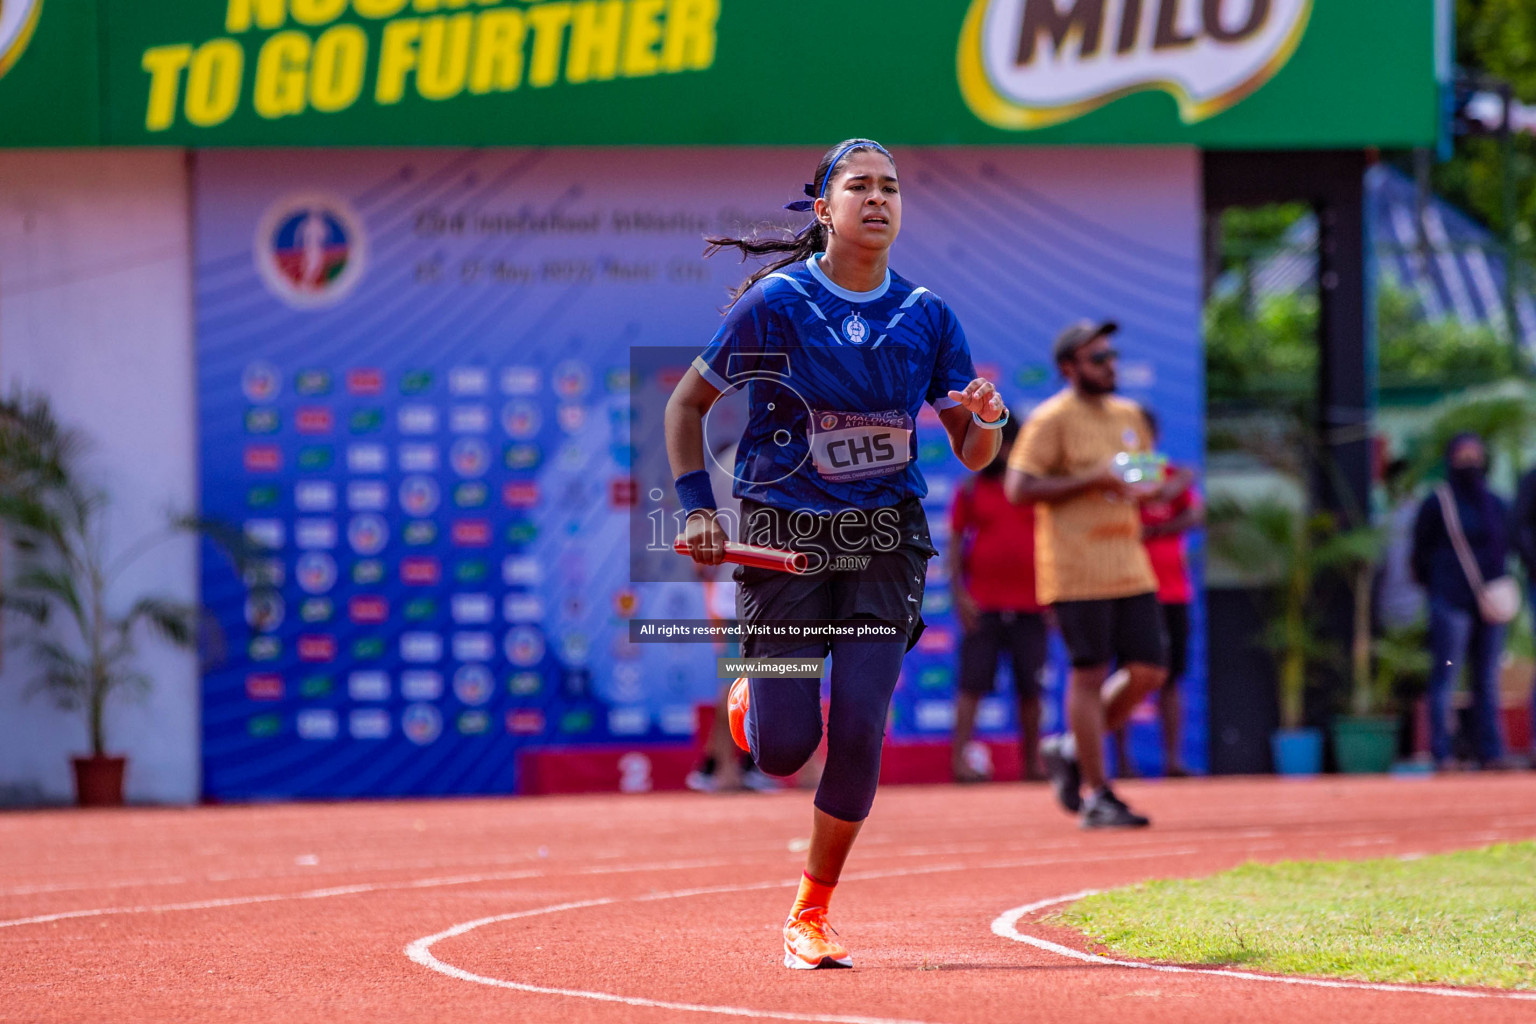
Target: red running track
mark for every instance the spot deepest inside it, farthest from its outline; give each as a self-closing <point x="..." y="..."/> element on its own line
<point x="667" y="907"/>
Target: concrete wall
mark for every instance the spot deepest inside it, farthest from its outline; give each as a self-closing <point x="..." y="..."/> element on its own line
<point x="96" y="312"/>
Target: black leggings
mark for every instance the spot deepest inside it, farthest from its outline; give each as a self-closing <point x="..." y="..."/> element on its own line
<point x="784" y="721"/>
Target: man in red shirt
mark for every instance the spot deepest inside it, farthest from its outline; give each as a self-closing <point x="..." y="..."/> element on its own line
<point x="1163" y="525"/>
<point x="992" y="573"/>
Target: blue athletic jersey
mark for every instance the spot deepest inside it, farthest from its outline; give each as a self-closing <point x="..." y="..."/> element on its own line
<point x="834" y="382"/>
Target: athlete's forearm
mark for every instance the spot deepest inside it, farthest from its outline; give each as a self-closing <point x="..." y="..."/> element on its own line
<point x="685" y="437"/>
<point x="683" y="422"/>
<point x="970" y="443"/>
<point x="979" y="446"/>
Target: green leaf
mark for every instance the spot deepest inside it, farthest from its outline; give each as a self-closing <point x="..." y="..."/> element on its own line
<point x="172" y="620"/>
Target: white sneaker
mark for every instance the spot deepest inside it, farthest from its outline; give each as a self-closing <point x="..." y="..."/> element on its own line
<point x="759" y="781"/>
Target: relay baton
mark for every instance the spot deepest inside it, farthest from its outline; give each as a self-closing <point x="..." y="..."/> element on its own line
<point x="756" y="557"/>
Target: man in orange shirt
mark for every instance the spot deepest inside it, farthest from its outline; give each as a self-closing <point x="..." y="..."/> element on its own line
<point x="1090" y="562"/>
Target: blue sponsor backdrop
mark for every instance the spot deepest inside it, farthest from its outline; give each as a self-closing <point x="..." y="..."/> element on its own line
<point x="414" y="393"/>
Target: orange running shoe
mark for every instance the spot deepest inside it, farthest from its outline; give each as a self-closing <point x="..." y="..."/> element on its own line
<point x="736" y="708"/>
<point x="807" y="944"/>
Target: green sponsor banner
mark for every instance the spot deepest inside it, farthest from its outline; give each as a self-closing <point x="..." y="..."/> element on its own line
<point x="50" y="73"/>
<point x="1210" y="73"/>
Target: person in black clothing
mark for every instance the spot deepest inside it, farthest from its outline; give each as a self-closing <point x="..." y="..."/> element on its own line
<point x="1525" y="543"/>
<point x="1458" y="634"/>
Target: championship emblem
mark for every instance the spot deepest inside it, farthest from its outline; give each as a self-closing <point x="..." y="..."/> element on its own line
<point x="316" y="572"/>
<point x="259" y="382"/>
<point x="419" y="495"/>
<point x="421" y="723"/>
<point x="264" y="611"/>
<point x="524" y="646"/>
<point x="473" y="684"/>
<point x="367" y="533"/>
<point x="520" y="420"/>
<point x="309" y="250"/>
<point x="570" y="380"/>
<point x="469" y="456"/>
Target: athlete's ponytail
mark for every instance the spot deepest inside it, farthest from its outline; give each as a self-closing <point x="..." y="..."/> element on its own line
<point x="812" y="239"/>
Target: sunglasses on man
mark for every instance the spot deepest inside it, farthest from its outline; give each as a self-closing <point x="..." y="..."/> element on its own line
<point x="1107" y="355"/>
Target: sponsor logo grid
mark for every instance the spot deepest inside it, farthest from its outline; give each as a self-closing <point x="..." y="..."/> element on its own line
<point x="401" y="554"/>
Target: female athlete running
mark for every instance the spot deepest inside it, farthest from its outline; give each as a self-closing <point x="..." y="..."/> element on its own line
<point x="837" y="355"/>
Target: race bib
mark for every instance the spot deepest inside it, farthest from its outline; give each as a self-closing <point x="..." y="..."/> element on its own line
<point x="855" y="445"/>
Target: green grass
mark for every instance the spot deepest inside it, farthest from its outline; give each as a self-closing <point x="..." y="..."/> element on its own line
<point x="1464" y="918"/>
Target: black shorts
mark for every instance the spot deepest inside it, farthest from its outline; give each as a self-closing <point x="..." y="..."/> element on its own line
<point x="1120" y="630"/>
<point x="1176" y="618"/>
<point x="1021" y="634"/>
<point x="861" y="581"/>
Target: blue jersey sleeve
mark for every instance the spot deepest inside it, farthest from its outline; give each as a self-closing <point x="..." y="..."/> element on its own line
<point x="750" y="330"/>
<point x="952" y="367"/>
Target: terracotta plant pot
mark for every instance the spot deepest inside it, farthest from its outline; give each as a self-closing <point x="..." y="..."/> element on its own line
<point x="99" y="781"/>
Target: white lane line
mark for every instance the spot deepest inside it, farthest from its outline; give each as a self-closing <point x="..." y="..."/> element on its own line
<point x="872" y="843"/>
<point x="44" y="889"/>
<point x="420" y="951"/>
<point x="327" y="868"/>
<point x="432" y="883"/>
<point x="673" y="865"/>
<point x="240" y="901"/>
<point x="1007" y="926"/>
<point x="1126" y="851"/>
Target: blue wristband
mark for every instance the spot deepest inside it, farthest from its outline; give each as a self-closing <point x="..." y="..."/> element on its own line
<point x="996" y="424"/>
<point x="694" y="491"/>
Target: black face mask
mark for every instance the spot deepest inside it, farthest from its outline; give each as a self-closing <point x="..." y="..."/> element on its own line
<point x="1090" y="387"/>
<point x="1466" y="478"/>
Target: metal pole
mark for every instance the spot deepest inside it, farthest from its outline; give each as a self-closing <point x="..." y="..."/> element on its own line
<point x="1507" y="214"/>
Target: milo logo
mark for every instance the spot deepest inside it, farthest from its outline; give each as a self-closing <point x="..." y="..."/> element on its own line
<point x="1026" y="64"/>
<point x="18" y="19"/>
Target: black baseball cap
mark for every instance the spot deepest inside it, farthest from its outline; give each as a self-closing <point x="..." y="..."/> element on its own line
<point x="1075" y="336"/>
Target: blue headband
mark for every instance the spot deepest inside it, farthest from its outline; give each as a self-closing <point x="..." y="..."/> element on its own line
<point x="806" y="205"/>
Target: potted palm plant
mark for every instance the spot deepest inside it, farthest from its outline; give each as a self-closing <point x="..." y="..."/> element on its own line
<point x="1285" y="548"/>
<point x="1365" y="740"/>
<point x="80" y="633"/>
